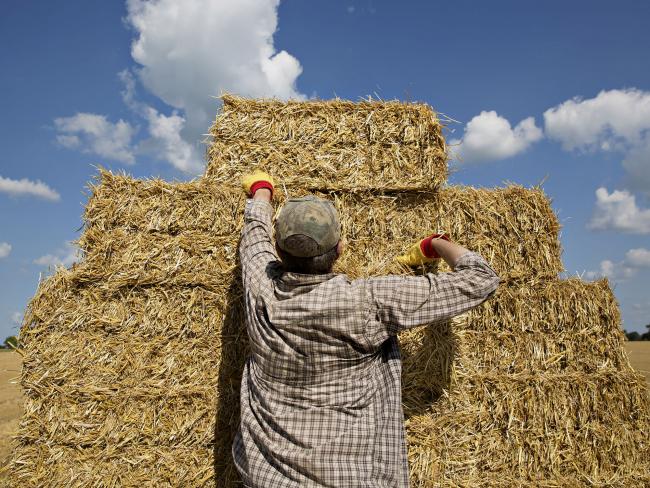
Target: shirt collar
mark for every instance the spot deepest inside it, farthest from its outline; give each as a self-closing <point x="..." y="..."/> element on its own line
<point x="297" y="279"/>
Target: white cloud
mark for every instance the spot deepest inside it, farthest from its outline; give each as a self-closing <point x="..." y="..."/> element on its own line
<point x="65" y="256"/>
<point x="95" y="134"/>
<point x="5" y="249"/>
<point x="187" y="52"/>
<point x="489" y="137"/>
<point x="614" y="120"/>
<point x="167" y="142"/>
<point x="27" y="187"/>
<point x="621" y="271"/>
<point x="639" y="257"/>
<point x="602" y="122"/>
<point x="618" y="211"/>
<point x="193" y="50"/>
<point x="613" y="271"/>
<point x="17" y="317"/>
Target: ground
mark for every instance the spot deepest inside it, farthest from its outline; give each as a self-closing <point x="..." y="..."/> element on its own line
<point x="10" y="398"/>
<point x="639" y="353"/>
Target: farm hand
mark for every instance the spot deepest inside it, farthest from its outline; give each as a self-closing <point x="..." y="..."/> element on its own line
<point x="255" y="181"/>
<point x="421" y="252"/>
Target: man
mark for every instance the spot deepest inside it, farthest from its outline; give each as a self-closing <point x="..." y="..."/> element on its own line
<point x="321" y="392"/>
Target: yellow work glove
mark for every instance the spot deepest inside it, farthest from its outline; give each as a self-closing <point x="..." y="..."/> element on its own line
<point x="421" y="252"/>
<point x="256" y="180"/>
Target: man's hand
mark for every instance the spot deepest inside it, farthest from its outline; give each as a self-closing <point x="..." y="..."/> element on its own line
<point x="422" y="251"/>
<point x="258" y="180"/>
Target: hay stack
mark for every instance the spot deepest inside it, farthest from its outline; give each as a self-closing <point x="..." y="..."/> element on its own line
<point x="335" y="144"/>
<point x="133" y="357"/>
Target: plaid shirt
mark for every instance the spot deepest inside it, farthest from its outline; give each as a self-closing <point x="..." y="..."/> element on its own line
<point x="321" y="390"/>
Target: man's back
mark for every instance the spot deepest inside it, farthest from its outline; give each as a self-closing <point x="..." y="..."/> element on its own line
<point x="319" y="400"/>
<point x="321" y="391"/>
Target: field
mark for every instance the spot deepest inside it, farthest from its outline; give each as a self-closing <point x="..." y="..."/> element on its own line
<point x="10" y="397"/>
<point x="639" y="353"/>
<point x="10" y="400"/>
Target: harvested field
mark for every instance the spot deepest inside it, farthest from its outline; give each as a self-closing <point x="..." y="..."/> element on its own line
<point x="639" y="354"/>
<point x="11" y="402"/>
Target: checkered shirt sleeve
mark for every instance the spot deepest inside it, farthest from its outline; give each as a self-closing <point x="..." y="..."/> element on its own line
<point x="256" y="250"/>
<point x="403" y="302"/>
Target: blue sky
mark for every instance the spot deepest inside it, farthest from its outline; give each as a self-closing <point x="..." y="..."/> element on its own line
<point x="564" y="87"/>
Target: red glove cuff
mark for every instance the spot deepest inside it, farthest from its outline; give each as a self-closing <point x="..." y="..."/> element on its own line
<point x="261" y="184"/>
<point x="426" y="247"/>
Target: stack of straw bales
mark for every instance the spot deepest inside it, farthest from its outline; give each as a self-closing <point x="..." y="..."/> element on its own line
<point x="133" y="357"/>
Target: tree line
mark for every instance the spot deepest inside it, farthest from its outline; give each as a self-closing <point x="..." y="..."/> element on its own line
<point x="10" y="342"/>
<point x="635" y="336"/>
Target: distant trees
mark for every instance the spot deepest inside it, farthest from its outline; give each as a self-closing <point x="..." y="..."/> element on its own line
<point x="635" y="336"/>
<point x="11" y="342"/>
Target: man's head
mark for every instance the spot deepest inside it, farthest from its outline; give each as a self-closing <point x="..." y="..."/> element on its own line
<point x="308" y="234"/>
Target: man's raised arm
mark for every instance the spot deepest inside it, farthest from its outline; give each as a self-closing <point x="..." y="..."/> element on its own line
<point x="256" y="249"/>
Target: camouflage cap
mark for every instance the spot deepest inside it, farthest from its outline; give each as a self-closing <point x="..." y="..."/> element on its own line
<point x="307" y="227"/>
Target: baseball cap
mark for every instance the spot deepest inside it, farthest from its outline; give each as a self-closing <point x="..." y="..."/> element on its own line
<point x="307" y="227"/>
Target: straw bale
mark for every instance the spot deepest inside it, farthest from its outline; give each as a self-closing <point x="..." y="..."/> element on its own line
<point x="53" y="466"/>
<point x="155" y="205"/>
<point x="590" y="428"/>
<point x="155" y="364"/>
<point x="514" y="228"/>
<point x="556" y="326"/>
<point x="552" y="325"/>
<point x="330" y="144"/>
<point x="119" y="258"/>
<point x="325" y="121"/>
<point x="119" y="418"/>
<point x="552" y="307"/>
<point x="179" y="313"/>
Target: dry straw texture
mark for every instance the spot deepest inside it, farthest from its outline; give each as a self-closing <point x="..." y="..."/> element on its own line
<point x="133" y="357"/>
<point x="150" y="230"/>
<point x="333" y="144"/>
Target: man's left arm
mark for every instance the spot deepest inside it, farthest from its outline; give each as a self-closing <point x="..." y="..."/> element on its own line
<point x="256" y="249"/>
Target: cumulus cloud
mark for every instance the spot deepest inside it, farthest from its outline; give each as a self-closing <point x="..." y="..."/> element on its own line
<point x="65" y="256"/>
<point x="167" y="142"/>
<point x="95" y="134"/>
<point x="613" y="121"/>
<point x="635" y="259"/>
<point x="613" y="271"/>
<point x="28" y="187"/>
<point x="639" y="258"/>
<point x="17" y="317"/>
<point x="192" y="50"/>
<point x="619" y="211"/>
<point x="602" y="122"/>
<point x="187" y="52"/>
<point x="489" y="137"/>
<point x="5" y="249"/>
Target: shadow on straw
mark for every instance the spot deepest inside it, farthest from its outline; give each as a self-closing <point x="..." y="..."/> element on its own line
<point x="427" y="369"/>
<point x="234" y="350"/>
